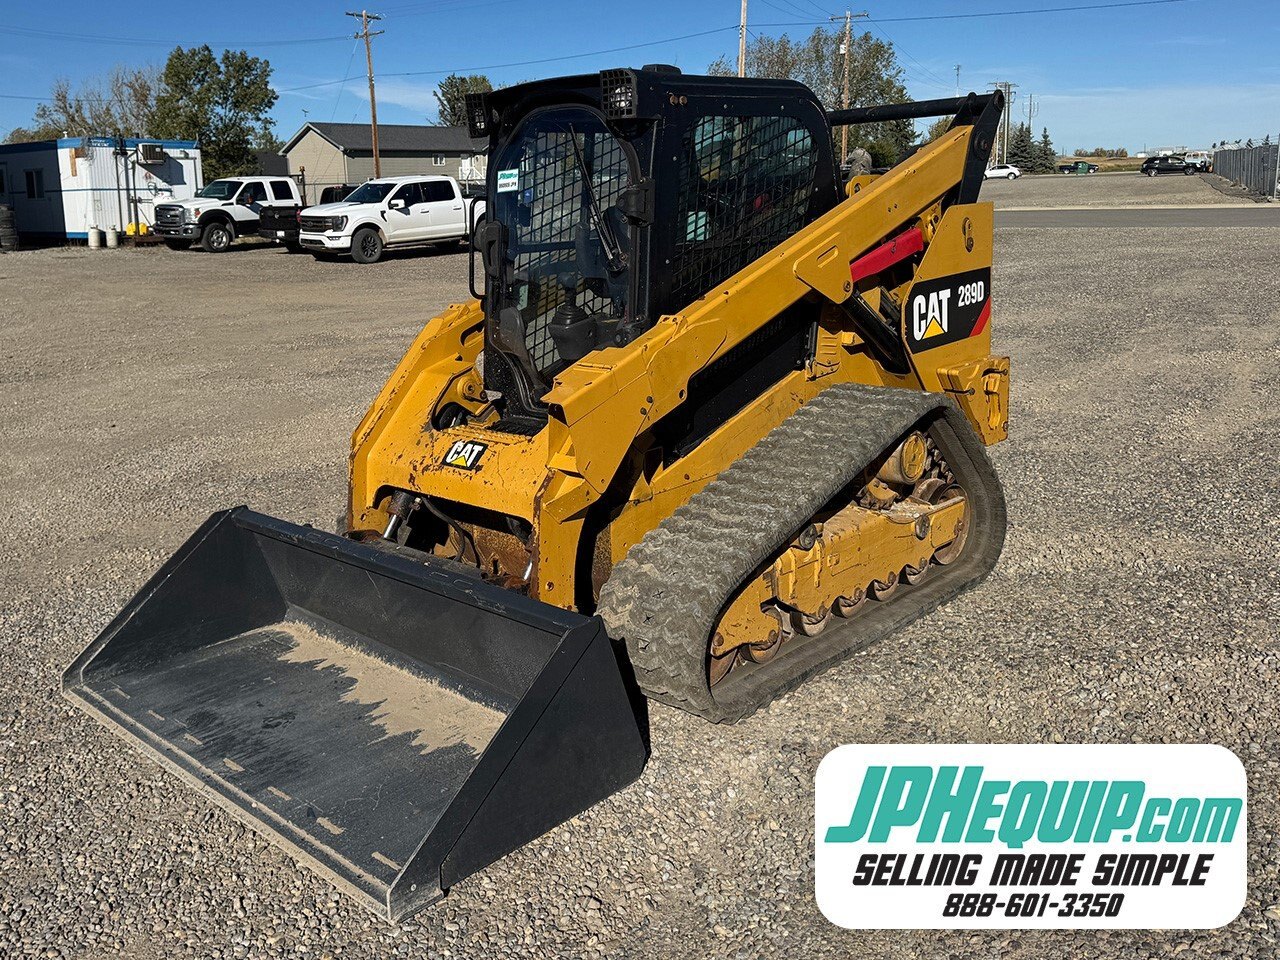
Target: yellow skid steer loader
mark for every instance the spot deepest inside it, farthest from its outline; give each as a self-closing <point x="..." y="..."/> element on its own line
<point x="713" y="419"/>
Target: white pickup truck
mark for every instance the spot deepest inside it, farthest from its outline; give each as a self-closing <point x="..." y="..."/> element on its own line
<point x="223" y="210"/>
<point x="389" y="212"/>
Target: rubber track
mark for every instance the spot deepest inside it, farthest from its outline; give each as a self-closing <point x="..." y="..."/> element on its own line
<point x="666" y="595"/>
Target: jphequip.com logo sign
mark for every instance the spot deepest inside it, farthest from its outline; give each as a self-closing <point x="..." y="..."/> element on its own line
<point x="974" y="835"/>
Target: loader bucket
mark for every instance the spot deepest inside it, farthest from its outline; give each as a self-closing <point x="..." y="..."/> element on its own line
<point x="394" y="724"/>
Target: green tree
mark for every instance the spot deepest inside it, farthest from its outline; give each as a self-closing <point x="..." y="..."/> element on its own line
<point x="451" y="95"/>
<point x="120" y="104"/>
<point x="937" y="129"/>
<point x="817" y="61"/>
<point x="224" y="103"/>
<point x="1022" y="148"/>
<point x="1046" y="158"/>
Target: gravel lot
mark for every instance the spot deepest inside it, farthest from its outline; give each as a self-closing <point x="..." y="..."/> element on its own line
<point x="1135" y="602"/>
<point x="1105" y="190"/>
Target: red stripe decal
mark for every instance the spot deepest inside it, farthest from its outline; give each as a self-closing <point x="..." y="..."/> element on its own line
<point x="887" y="254"/>
<point x="983" y="317"/>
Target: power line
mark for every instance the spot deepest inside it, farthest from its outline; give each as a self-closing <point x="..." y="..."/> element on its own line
<point x="1033" y="11"/>
<point x="527" y="63"/>
<point x="342" y="88"/>
<point x="790" y="8"/>
<point x="143" y="41"/>
<point x="818" y="8"/>
<point x="472" y="69"/>
<point x="622" y="49"/>
<point x="935" y="79"/>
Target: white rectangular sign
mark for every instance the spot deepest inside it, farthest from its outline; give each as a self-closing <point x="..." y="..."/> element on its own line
<point x="974" y="836"/>
<point x="508" y="180"/>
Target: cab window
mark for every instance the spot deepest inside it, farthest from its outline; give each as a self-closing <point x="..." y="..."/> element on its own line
<point x="410" y="193"/>
<point x="253" y="193"/>
<point x="435" y="191"/>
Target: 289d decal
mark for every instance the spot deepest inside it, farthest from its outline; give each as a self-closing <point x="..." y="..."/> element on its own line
<point x="948" y="309"/>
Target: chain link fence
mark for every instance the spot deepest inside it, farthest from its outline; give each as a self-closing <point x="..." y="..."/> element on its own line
<point x="1255" y="168"/>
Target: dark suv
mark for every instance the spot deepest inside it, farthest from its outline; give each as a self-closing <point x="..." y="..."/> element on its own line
<point x="1154" y="166"/>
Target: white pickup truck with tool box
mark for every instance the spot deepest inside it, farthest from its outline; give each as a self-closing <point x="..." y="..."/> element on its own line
<point x="223" y="210"/>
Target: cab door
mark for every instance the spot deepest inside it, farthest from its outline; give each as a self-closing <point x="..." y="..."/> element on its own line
<point x="407" y="215"/>
<point x="448" y="216"/>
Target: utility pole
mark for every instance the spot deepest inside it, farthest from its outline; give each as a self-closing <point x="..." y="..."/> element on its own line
<point x="364" y="17"/>
<point x="957" y="80"/>
<point x="742" y="42"/>
<point x="1030" y="109"/>
<point x="848" y="52"/>
<point x="1002" y="139"/>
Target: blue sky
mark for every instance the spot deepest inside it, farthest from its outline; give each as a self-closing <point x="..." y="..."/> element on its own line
<point x="1178" y="73"/>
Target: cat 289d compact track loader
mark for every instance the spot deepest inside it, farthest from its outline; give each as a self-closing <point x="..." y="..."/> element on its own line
<point x="712" y="421"/>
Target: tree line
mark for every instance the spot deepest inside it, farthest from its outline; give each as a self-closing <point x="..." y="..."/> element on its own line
<point x="1112" y="152"/>
<point x="224" y="102"/>
<point x="1029" y="154"/>
<point x="818" y="61"/>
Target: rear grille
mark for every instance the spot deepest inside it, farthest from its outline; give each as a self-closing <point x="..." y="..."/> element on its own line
<point x="168" y="215"/>
<point x="314" y="224"/>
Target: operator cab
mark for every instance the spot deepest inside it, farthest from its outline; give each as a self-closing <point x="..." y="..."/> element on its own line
<point x="618" y="197"/>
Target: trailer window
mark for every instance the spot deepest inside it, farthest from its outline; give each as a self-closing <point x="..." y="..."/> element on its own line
<point x="35" y="184"/>
<point x="745" y="185"/>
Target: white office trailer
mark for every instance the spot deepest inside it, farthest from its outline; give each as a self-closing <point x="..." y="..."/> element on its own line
<point x="60" y="189"/>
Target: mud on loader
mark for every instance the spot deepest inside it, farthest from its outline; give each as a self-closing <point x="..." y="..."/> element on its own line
<point x="712" y="421"/>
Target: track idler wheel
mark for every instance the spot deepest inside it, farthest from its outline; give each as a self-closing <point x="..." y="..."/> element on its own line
<point x="764" y="652"/>
<point x="914" y="576"/>
<point x="846" y="607"/>
<point x="810" y="624"/>
<point x="718" y="667"/>
<point x="884" y="589"/>
<point x="952" y="550"/>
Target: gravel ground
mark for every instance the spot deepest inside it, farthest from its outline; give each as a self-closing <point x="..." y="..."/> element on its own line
<point x="1135" y="602"/>
<point x="1105" y="190"/>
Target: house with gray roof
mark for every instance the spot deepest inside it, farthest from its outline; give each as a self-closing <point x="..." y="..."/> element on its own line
<point x="329" y="154"/>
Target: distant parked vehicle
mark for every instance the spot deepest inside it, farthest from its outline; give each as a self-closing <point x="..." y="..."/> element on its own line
<point x="1154" y="166"/>
<point x="1199" y="159"/>
<point x="339" y="192"/>
<point x="280" y="225"/>
<point x="388" y="212"/>
<point x="223" y="210"/>
<point x="1002" y="171"/>
<point x="1078" y="166"/>
<point x="283" y="224"/>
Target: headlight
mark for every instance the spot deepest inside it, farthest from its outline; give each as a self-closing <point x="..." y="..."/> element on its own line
<point x="191" y="214"/>
<point x="337" y="223"/>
